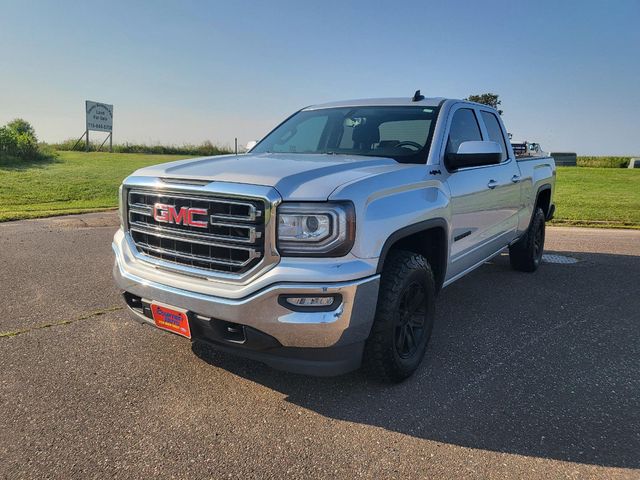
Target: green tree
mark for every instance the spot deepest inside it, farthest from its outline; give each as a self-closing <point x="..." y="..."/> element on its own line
<point x="22" y="127"/>
<point x="18" y="139"/>
<point x="490" y="99"/>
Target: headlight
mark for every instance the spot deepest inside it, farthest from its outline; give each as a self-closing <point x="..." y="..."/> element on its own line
<point x="316" y="229"/>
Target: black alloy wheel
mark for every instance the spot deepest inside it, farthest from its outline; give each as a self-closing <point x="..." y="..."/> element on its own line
<point x="411" y="320"/>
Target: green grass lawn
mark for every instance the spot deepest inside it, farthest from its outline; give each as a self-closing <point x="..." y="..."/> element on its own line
<point x="71" y="183"/>
<point x="82" y="182"/>
<point x="608" y="197"/>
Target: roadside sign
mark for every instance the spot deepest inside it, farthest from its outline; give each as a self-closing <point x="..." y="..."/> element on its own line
<point x="99" y="116"/>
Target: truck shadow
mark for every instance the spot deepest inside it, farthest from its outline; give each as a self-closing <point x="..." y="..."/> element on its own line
<point x="543" y="365"/>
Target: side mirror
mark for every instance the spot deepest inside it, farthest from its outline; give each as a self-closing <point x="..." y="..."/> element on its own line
<point x="251" y="144"/>
<point x="474" y="154"/>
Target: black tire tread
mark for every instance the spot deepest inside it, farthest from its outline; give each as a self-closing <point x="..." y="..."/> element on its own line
<point x="521" y="253"/>
<point x="378" y="359"/>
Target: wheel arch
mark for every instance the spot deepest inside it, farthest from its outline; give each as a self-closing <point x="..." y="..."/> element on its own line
<point x="428" y="238"/>
<point x="543" y="199"/>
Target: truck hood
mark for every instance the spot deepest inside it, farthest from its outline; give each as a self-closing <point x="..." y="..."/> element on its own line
<point x="295" y="176"/>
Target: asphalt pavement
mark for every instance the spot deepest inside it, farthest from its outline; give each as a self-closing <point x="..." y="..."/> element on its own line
<point x="527" y="376"/>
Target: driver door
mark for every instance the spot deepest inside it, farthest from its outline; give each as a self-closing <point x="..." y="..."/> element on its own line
<point x="479" y="198"/>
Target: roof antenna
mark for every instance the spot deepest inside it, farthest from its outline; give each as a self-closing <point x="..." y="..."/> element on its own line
<point x="417" y="97"/>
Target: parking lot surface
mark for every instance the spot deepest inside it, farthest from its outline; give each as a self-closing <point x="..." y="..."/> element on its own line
<point x="527" y="376"/>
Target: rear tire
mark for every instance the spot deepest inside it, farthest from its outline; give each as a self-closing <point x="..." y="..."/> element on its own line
<point x="526" y="254"/>
<point x="404" y="317"/>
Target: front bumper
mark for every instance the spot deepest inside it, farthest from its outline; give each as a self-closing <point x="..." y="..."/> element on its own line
<point x="314" y="342"/>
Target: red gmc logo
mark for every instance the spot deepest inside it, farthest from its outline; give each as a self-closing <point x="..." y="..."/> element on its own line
<point x="185" y="216"/>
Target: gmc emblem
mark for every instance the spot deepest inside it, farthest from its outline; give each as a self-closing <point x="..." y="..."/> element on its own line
<point x="185" y="216"/>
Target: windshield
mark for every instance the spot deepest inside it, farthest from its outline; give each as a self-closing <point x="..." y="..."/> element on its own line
<point x="401" y="133"/>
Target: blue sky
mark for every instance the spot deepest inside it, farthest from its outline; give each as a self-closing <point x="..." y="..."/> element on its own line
<point x="568" y="72"/>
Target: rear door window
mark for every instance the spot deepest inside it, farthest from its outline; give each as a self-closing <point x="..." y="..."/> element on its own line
<point x="495" y="132"/>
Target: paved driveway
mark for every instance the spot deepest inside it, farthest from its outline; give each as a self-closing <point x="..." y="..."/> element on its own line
<point x="527" y="376"/>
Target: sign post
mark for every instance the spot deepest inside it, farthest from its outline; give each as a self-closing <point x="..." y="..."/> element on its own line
<point x="100" y="119"/>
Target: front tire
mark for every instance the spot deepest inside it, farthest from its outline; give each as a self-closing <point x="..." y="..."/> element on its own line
<point x="526" y="254"/>
<point x="404" y="317"/>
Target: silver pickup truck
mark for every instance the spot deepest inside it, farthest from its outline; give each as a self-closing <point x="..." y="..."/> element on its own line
<point x="323" y="248"/>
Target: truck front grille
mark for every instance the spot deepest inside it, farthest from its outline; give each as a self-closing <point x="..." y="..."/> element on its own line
<point x="213" y="233"/>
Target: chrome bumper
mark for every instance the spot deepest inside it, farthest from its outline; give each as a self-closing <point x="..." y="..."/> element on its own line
<point x="349" y="323"/>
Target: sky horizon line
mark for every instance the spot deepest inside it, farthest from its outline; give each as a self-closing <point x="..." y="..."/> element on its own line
<point x="190" y="71"/>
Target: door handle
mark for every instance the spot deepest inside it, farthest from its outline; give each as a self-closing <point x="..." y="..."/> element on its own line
<point x="515" y="178"/>
<point x="492" y="184"/>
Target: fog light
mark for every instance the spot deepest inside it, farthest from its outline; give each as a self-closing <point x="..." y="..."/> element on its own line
<point x="310" y="303"/>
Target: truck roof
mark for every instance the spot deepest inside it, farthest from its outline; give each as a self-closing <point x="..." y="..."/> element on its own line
<point x="377" y="102"/>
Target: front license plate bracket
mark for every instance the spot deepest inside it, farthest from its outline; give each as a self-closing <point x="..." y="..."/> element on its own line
<point x="171" y="319"/>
